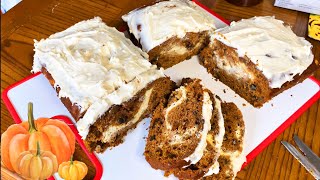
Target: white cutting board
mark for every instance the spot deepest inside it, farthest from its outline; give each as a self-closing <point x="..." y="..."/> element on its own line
<point x="126" y="161"/>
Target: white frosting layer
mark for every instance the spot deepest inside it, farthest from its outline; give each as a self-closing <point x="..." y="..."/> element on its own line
<point x="178" y="138"/>
<point x="214" y="169"/>
<point x="112" y="130"/>
<point x="273" y="47"/>
<point x="183" y="97"/>
<point x="95" y="66"/>
<point x="239" y="70"/>
<point x="237" y="159"/>
<point x="220" y="135"/>
<point x="122" y="94"/>
<point x="153" y="25"/>
<point x="206" y="114"/>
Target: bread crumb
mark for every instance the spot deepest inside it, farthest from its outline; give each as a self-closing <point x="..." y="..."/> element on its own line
<point x="224" y="91"/>
<point x="243" y="104"/>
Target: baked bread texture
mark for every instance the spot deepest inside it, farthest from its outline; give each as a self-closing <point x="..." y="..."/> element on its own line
<point x="187" y="134"/>
<point x="170" y="31"/>
<point x="258" y="58"/>
<point x="231" y="156"/>
<point x="107" y="84"/>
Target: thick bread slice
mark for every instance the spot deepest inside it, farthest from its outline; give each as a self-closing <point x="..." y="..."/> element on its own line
<point x="208" y="163"/>
<point x="231" y="157"/>
<point x="178" y="129"/>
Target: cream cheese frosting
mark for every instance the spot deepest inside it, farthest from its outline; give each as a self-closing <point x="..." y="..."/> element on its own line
<point x="220" y="135"/>
<point x="122" y="94"/>
<point x="111" y="132"/>
<point x="178" y="138"/>
<point x="239" y="70"/>
<point x="236" y="160"/>
<point x="236" y="157"/>
<point x="270" y="45"/>
<point x="95" y="66"/>
<point x="183" y="97"/>
<point x="153" y="25"/>
<point x="214" y="169"/>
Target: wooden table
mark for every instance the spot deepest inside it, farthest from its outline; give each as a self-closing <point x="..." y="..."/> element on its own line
<point x="36" y="19"/>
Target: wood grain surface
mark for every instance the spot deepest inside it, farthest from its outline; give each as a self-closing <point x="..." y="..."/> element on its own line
<point x="36" y="19"/>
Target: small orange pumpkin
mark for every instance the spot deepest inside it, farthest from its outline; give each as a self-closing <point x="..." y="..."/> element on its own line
<point x="53" y="135"/>
<point x="37" y="164"/>
<point x="73" y="170"/>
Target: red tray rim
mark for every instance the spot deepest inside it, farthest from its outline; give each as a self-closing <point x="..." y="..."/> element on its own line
<point x="286" y="123"/>
<point x="92" y="157"/>
<point x="97" y="163"/>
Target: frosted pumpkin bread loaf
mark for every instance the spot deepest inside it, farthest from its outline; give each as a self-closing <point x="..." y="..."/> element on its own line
<point x="106" y="82"/>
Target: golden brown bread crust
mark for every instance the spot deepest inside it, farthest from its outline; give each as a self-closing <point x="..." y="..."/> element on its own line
<point x="255" y="90"/>
<point x="167" y="54"/>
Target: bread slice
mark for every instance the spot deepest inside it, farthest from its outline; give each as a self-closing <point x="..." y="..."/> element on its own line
<point x="232" y="156"/>
<point x="207" y="165"/>
<point x="175" y="140"/>
<point x="178" y="129"/>
<point x="226" y="160"/>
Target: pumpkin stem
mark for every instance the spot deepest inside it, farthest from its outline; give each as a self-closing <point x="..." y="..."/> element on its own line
<point x="32" y="126"/>
<point x="71" y="160"/>
<point x="38" y="149"/>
